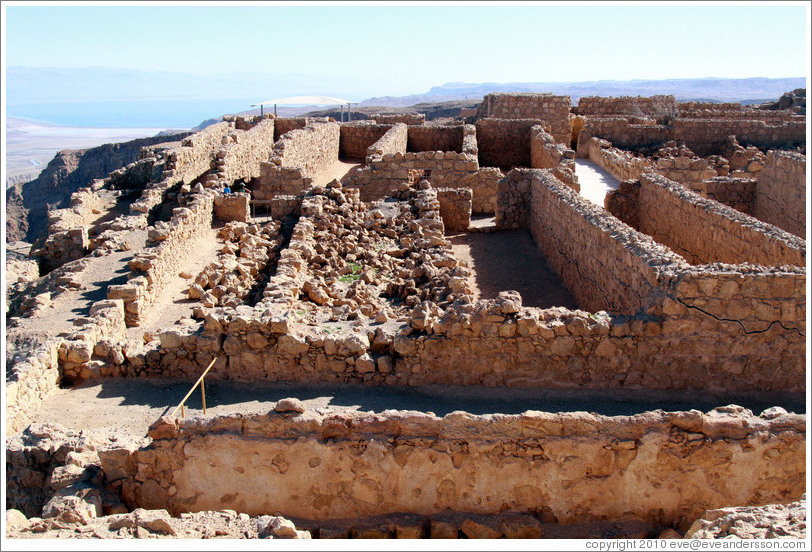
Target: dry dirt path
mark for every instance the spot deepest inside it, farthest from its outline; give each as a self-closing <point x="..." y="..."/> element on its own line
<point x="510" y="260"/>
<point x="129" y="406"/>
<point x="67" y="306"/>
<point x="595" y="181"/>
<point x="173" y="303"/>
<point x="340" y="170"/>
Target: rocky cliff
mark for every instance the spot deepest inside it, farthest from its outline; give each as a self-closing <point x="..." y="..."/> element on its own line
<point x="27" y="203"/>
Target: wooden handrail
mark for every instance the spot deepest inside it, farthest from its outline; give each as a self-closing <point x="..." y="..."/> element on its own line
<point x="202" y="390"/>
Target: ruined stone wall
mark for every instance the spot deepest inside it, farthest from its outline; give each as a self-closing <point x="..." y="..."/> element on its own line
<point x="406" y="118"/>
<point x="356" y="138"/>
<point x="194" y="157"/>
<point x="685" y="170"/>
<point x="552" y="111"/>
<point x="435" y="138"/>
<point x="103" y="328"/>
<point x="159" y="263"/>
<point x="739" y="193"/>
<point x="297" y="157"/>
<point x="709" y="110"/>
<point x="455" y="208"/>
<point x="29" y="382"/>
<point x="598" y="106"/>
<point x="705" y="231"/>
<point x="505" y="143"/>
<point x="546" y="153"/>
<point x="656" y="465"/>
<point x="623" y="165"/>
<point x="703" y="136"/>
<point x="67" y="238"/>
<point x="781" y="192"/>
<point x="483" y="183"/>
<point x="605" y="264"/>
<point x="242" y="152"/>
<point x="384" y="174"/>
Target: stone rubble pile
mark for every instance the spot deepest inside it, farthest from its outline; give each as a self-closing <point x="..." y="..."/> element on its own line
<point x="247" y="252"/>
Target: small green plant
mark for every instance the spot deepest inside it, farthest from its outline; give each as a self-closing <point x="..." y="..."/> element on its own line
<point x="354" y="275"/>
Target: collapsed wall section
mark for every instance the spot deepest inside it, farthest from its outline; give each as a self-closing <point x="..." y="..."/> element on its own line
<point x="705" y="231"/>
<point x="781" y="192"/>
<point x="656" y="466"/>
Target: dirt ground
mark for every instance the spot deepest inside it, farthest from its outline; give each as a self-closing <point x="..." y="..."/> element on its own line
<point x="510" y="260"/>
<point x="130" y="405"/>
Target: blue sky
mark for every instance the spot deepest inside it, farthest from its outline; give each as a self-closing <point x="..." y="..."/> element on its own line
<point x="408" y="49"/>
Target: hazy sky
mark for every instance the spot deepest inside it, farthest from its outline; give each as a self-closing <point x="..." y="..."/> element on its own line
<point x="408" y="49"/>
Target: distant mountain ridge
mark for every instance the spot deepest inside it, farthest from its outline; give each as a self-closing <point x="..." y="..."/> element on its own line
<point x="710" y="88"/>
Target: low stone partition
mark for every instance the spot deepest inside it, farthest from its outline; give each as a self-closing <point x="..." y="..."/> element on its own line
<point x="703" y="136"/>
<point x="505" y="143"/>
<point x="435" y="138"/>
<point x="357" y="137"/>
<point x="738" y="193"/>
<point x="242" y="151"/>
<point x="455" y="208"/>
<point x="705" y="231"/>
<point x="546" y="153"/>
<point x="623" y="165"/>
<point x="560" y="465"/>
<point x="781" y="192"/>
<point x="636" y="106"/>
<point x="159" y="263"/>
<point x="551" y="111"/>
<point x="297" y="157"/>
<point x="392" y="141"/>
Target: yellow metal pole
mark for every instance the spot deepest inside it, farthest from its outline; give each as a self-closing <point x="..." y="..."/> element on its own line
<point x="203" y="394"/>
<point x="200" y="379"/>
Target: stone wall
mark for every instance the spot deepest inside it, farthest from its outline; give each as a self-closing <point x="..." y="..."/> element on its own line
<point x="552" y="111"/>
<point x="623" y="165"/>
<point x="242" y="151"/>
<point x="705" y="231"/>
<point x="393" y="118"/>
<point x="392" y="141"/>
<point x="297" y="157"/>
<point x="639" y="106"/>
<point x="739" y="193"/>
<point x="505" y="143"/>
<point x="357" y="137"/>
<point x="546" y="153"/>
<point x="233" y="206"/>
<point x="656" y="465"/>
<point x="284" y="125"/>
<point x="455" y="208"/>
<point x="781" y="192"/>
<point x="703" y="136"/>
<point x="29" y="382"/>
<point x="435" y="138"/>
<point x="159" y="263"/>
<point x="382" y="175"/>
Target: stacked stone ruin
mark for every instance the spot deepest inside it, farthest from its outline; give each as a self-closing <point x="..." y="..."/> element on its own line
<point x="691" y="277"/>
